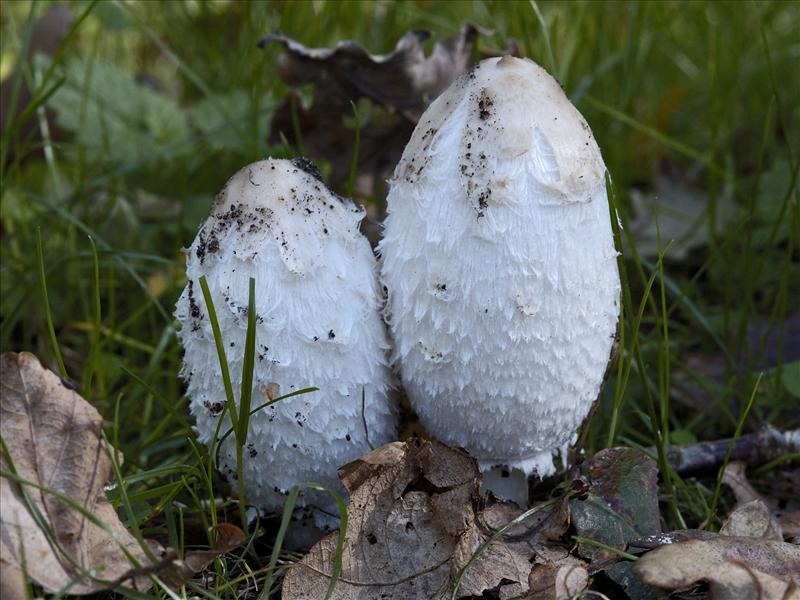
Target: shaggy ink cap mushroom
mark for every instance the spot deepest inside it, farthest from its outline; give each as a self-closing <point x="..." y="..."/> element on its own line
<point x="318" y="324"/>
<point x="499" y="261"/>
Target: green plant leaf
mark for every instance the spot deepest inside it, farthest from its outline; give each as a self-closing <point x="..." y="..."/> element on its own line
<point x="791" y="378"/>
<point x="622" y="504"/>
<point x="122" y="121"/>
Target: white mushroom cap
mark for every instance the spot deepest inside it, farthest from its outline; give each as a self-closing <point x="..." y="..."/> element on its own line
<point x="318" y="324"/>
<point x="500" y="265"/>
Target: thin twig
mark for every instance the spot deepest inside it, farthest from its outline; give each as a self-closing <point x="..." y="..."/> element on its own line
<point x="753" y="449"/>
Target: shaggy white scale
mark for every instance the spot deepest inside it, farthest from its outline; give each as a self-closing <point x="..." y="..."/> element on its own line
<point x="318" y="324"/>
<point x="500" y="266"/>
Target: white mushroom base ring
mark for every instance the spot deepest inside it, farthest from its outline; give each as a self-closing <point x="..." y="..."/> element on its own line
<point x="500" y="266"/>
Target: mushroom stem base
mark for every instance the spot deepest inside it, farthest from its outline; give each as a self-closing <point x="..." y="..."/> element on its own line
<point x="506" y="483"/>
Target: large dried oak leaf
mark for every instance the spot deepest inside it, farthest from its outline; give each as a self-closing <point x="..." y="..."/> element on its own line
<point x="53" y="440"/>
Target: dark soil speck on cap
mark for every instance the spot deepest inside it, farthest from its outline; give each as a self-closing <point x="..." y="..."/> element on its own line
<point x="304" y="164"/>
<point x="194" y="310"/>
<point x="200" y="249"/>
<point x="213" y="245"/>
<point x="485" y="104"/>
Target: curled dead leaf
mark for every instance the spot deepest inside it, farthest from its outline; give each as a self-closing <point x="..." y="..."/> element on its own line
<point x="408" y="501"/>
<point x="756" y="515"/>
<point x="752" y="519"/>
<point x="403" y="82"/>
<point x="229" y="537"/>
<point x="735" y="477"/>
<point x="56" y="460"/>
<point x="503" y="568"/>
<point x="557" y="581"/>
<point x="736" y="568"/>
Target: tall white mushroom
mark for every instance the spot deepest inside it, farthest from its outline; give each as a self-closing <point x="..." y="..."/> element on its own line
<point x="318" y="324"/>
<point x="499" y="261"/>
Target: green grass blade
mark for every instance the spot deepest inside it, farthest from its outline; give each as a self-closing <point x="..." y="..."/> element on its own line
<point x="712" y="510"/>
<point x="663" y="347"/>
<point x="215" y="448"/>
<point x="681" y="298"/>
<point x="351" y="178"/>
<point x="10" y="125"/>
<point x="190" y="73"/>
<point x="617" y="551"/>
<point x="46" y="304"/>
<point x="94" y="343"/>
<point x="220" y="344"/>
<point x="62" y="212"/>
<point x="245" y="399"/>
<point x="491" y="539"/>
<point x="248" y="366"/>
<point x="666" y="140"/>
<point x="286" y="518"/>
<point x="551" y="58"/>
<point x="39" y="98"/>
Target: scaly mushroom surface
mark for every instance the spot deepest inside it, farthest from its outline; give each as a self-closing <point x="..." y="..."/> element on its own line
<point x="318" y="324"/>
<point x="500" y="267"/>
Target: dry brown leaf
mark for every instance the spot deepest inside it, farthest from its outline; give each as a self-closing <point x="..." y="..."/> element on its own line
<point x="413" y="529"/>
<point x="12" y="582"/>
<point x="736" y="568"/>
<point x="784" y="500"/>
<point x="503" y="567"/>
<point x="53" y="438"/>
<point x="563" y="580"/>
<point x="790" y="523"/>
<point x="752" y="519"/>
<point x="408" y="501"/>
<point x="754" y="515"/>
<point x="402" y="82"/>
<point x="229" y="537"/>
<point x="735" y="477"/>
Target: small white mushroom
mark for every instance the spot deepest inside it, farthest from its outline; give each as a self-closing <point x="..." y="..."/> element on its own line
<point x="499" y="261"/>
<point x="318" y="324"/>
